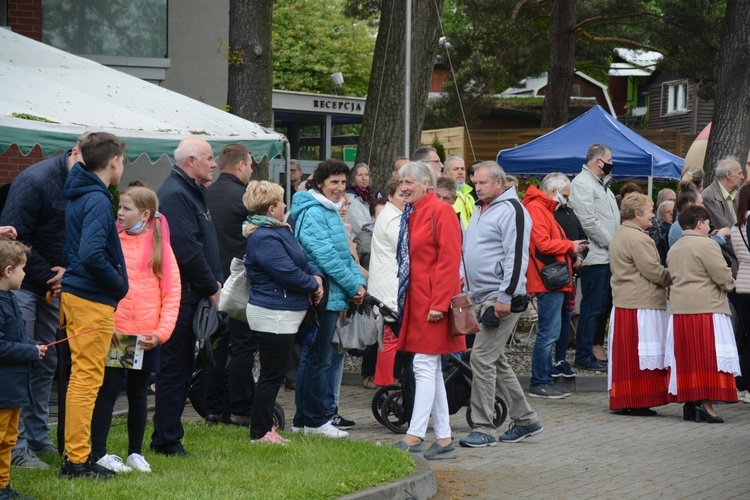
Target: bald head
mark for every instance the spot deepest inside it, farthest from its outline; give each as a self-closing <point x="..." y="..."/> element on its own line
<point x="196" y="158"/>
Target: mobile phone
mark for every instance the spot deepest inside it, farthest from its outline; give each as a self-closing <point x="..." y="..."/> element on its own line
<point x="585" y="242"/>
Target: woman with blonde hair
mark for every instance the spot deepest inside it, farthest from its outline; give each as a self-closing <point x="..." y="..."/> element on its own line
<point x="284" y="286"/>
<point x="148" y="312"/>
<point x="637" y="326"/>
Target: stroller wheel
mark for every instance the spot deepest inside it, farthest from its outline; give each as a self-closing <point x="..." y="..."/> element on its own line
<point x="501" y="413"/>
<point x="394" y="414"/>
<point x="279" y="418"/>
<point x="378" y="398"/>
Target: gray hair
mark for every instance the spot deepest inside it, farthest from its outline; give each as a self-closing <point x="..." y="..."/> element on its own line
<point x="663" y="194"/>
<point x="422" y="153"/>
<point x="596" y="151"/>
<point x="450" y="159"/>
<point x="493" y="169"/>
<point x="296" y="163"/>
<point x="662" y="207"/>
<point x="725" y="166"/>
<point x="190" y="146"/>
<point x="419" y="171"/>
<point x="511" y="178"/>
<point x="555" y="180"/>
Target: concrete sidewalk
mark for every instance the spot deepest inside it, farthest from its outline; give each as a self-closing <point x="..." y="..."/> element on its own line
<point x="586" y="451"/>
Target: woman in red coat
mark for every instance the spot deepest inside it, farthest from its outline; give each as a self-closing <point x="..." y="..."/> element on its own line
<point x="429" y="255"/>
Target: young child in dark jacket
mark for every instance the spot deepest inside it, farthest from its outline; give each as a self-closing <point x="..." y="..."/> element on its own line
<point x="94" y="282"/>
<point x="17" y="353"/>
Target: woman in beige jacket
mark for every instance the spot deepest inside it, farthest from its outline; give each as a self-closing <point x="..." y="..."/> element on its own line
<point x="701" y="352"/>
<point x="637" y="325"/>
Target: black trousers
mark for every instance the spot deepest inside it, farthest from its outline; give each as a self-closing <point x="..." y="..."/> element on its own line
<point x="136" y="388"/>
<point x="230" y="384"/>
<point x="369" y="361"/>
<point x="741" y="303"/>
<point x="173" y="382"/>
<point x="275" y="353"/>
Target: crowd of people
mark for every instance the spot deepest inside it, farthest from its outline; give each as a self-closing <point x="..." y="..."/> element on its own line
<point x="668" y="290"/>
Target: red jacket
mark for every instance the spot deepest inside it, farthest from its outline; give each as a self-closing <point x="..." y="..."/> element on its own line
<point x="435" y="257"/>
<point x="547" y="237"/>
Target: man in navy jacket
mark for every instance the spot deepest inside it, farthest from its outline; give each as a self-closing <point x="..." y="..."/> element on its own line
<point x="36" y="208"/>
<point x="193" y="237"/>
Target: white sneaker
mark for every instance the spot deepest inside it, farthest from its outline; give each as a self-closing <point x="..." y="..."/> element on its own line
<point x="326" y="430"/>
<point x="113" y="463"/>
<point x="137" y="462"/>
<point x="296" y="430"/>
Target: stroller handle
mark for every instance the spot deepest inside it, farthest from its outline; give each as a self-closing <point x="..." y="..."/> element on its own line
<point x="373" y="301"/>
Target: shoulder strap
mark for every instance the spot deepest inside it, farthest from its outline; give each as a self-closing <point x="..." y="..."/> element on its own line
<point x="520" y="227"/>
<point x="743" y="238"/>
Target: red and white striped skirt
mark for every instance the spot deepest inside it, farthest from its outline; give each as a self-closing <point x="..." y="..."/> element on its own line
<point x="636" y="375"/>
<point x="701" y="355"/>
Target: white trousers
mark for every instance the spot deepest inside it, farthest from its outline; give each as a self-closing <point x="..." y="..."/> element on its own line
<point x="429" y="398"/>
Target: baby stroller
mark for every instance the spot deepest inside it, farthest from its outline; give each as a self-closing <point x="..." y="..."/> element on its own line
<point x="392" y="405"/>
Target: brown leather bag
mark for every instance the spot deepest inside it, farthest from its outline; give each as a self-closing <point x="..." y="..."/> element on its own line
<point x="461" y="317"/>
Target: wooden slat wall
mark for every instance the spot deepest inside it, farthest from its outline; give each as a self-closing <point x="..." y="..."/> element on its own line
<point x="487" y="143"/>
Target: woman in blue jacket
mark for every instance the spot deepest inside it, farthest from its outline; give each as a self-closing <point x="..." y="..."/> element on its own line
<point x="283" y="287"/>
<point x="321" y="232"/>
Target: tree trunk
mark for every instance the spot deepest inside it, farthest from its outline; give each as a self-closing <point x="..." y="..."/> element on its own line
<point x="250" y="85"/>
<point x="730" y="128"/>
<point x="561" y="65"/>
<point x="382" y="136"/>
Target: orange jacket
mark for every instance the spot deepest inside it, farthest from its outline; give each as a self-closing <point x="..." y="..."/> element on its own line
<point x="147" y="308"/>
<point x="547" y="238"/>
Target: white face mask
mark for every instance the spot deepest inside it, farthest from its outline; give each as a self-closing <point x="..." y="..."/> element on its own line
<point x="561" y="200"/>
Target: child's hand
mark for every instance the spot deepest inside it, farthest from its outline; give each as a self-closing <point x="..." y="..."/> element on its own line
<point x="115" y="340"/>
<point x="8" y="232"/>
<point x="148" y="342"/>
<point x="42" y="350"/>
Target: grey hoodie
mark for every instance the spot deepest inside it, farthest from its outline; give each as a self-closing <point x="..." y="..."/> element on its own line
<point x="496" y="249"/>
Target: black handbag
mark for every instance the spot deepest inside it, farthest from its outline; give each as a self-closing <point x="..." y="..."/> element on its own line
<point x="555" y="275"/>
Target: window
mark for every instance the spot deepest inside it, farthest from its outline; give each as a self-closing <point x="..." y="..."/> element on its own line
<point x="676" y="94"/>
<point x="124" y="28"/>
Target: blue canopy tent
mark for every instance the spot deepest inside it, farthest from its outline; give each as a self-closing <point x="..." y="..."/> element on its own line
<point x="564" y="150"/>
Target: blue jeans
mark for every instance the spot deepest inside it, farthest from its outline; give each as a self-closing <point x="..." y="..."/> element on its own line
<point x="313" y="376"/>
<point x="561" y="346"/>
<point x="549" y="306"/>
<point x="596" y="290"/>
<point x="41" y="325"/>
<point x="335" y="376"/>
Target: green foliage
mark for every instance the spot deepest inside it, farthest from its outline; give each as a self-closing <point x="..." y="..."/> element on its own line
<point x="690" y="38"/>
<point x="27" y="116"/>
<point x="439" y="148"/>
<point x="312" y="40"/>
<point x="232" y="55"/>
<point x="225" y="464"/>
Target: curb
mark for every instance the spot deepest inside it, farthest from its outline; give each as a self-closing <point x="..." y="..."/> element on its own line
<point x="581" y="383"/>
<point x="419" y="484"/>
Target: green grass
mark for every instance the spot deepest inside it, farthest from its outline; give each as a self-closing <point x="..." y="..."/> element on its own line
<point x="223" y="463"/>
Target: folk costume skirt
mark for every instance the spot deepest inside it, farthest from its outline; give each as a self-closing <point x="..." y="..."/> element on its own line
<point x="637" y="378"/>
<point x="701" y="355"/>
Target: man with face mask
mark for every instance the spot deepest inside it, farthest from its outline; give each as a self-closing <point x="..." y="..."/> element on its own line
<point x="596" y="207"/>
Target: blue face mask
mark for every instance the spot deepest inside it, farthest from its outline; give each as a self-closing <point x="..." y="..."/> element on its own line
<point x="137" y="228"/>
<point x="461" y="186"/>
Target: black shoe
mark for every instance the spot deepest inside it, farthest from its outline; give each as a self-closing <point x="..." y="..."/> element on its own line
<point x="177" y="451"/>
<point x="701" y="413"/>
<point x="89" y="468"/>
<point x="688" y="411"/>
<point x="340" y="422"/>
<point x="239" y="420"/>
<point x="213" y="419"/>
<point x="592" y="366"/>
<point x="637" y="412"/>
<point x="10" y="492"/>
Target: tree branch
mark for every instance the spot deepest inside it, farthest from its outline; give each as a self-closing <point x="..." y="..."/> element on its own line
<point x="585" y="35"/>
<point x="613" y="19"/>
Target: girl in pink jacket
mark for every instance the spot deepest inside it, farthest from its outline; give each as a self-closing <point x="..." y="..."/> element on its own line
<point x="144" y="319"/>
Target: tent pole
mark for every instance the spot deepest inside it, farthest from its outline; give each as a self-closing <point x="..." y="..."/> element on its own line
<point x="288" y="181"/>
<point x="650" y="186"/>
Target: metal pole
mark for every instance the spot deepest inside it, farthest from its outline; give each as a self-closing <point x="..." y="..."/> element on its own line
<point x="288" y="181"/>
<point x="407" y="81"/>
